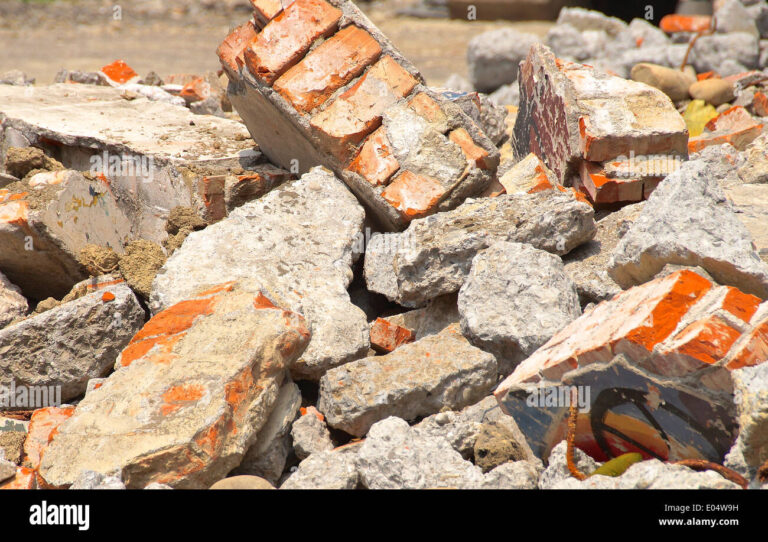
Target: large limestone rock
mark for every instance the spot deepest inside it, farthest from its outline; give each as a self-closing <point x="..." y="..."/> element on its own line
<point x="195" y="386"/>
<point x="515" y="298"/>
<point x="72" y="343"/>
<point x="418" y="379"/>
<point x="297" y="243"/>
<point x="689" y="221"/>
<point x="434" y="255"/>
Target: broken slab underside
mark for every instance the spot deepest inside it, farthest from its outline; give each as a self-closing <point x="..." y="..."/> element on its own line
<point x="576" y="119"/>
<point x="318" y="84"/>
<point x="147" y="144"/>
<point x="670" y="395"/>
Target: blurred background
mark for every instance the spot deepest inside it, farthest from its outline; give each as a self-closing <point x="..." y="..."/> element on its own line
<point x="40" y="37"/>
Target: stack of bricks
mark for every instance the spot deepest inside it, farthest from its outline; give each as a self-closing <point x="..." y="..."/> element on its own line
<point x="318" y="84"/>
<point x="580" y="121"/>
<point x="680" y="336"/>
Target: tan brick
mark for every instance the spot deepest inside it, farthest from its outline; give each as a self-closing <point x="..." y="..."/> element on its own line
<point x="285" y="39"/>
<point x="414" y="196"/>
<point x="331" y="65"/>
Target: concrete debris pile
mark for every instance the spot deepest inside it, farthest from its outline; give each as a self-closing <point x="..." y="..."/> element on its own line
<point x="369" y="283"/>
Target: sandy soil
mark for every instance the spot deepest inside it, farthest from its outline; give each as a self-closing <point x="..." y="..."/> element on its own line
<point x="40" y="38"/>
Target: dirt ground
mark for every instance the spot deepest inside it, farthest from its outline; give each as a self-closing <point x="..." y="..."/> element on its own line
<point x="41" y="37"/>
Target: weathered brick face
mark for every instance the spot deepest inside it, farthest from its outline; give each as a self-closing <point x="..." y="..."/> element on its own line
<point x="317" y="89"/>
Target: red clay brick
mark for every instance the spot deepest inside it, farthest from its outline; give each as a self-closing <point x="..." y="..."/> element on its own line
<point x="212" y="194"/>
<point x="375" y="162"/>
<point x="196" y="90"/>
<point x="684" y="23"/>
<point x="735" y="126"/>
<point x="333" y="64"/>
<point x="386" y="336"/>
<point x="604" y="189"/>
<point x="760" y="104"/>
<point x="285" y="39"/>
<point x="119" y="72"/>
<point x="753" y="350"/>
<point x="231" y="50"/>
<point x="474" y="153"/>
<point x="357" y="112"/>
<point x="414" y="195"/>
<point x="266" y="10"/>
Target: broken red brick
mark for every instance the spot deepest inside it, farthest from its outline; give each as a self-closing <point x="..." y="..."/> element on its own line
<point x="735" y="126"/>
<point x="212" y="195"/>
<point x="752" y="349"/>
<point x="266" y="10"/>
<point x="310" y="410"/>
<point x="107" y="297"/>
<point x="287" y="37"/>
<point x="196" y="90"/>
<point x="706" y="75"/>
<point x="119" y="72"/>
<point x="375" y="162"/>
<point x="760" y="104"/>
<point x="685" y="23"/>
<point x="386" y="337"/>
<point x="474" y="153"/>
<point x="232" y="49"/>
<point x="414" y="196"/>
<point x="357" y="112"/>
<point x="328" y="67"/>
<point x="604" y="189"/>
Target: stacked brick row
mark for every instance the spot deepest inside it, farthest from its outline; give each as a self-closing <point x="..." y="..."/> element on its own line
<point x="613" y="138"/>
<point x="317" y="84"/>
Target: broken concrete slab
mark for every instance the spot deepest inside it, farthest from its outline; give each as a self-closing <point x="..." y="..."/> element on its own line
<point x="750" y="203"/>
<point x="434" y="255"/>
<point x="435" y="316"/>
<point x="310" y="102"/>
<point x="89" y="128"/>
<point x="46" y="220"/>
<point x="587" y="265"/>
<point x="418" y="379"/>
<point x="396" y="456"/>
<point x="570" y="112"/>
<point x="297" y="243"/>
<point x="70" y="344"/>
<point x="310" y="434"/>
<point x="494" y="57"/>
<point x="12" y="304"/>
<point x="514" y="300"/>
<point x="189" y="422"/>
<point x="689" y="221"/>
<point x="325" y="470"/>
<point x="750" y="450"/>
<point x="267" y="456"/>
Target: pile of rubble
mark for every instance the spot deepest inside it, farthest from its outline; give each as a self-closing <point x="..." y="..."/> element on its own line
<point x="400" y="286"/>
